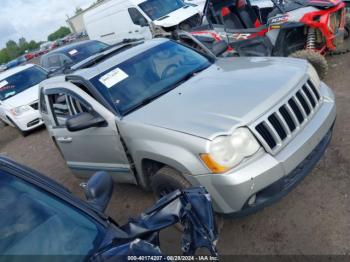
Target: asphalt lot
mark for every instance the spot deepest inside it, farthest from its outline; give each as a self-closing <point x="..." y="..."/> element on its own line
<point x="313" y="219"/>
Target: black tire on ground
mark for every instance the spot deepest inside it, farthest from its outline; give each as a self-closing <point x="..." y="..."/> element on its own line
<point x="347" y="26"/>
<point x="316" y="59"/>
<point x="167" y="180"/>
<point x="345" y="46"/>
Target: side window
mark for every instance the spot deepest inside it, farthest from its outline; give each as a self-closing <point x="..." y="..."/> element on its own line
<point x="136" y="17"/>
<point x="53" y="61"/>
<point x="65" y="106"/>
<point x="56" y="61"/>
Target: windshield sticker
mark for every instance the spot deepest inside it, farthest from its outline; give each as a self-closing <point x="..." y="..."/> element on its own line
<point x="3" y="84"/>
<point x="114" y="77"/>
<point x="73" y="52"/>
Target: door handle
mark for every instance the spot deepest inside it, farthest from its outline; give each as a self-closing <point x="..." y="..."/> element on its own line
<point x="136" y="31"/>
<point x="65" y="140"/>
<point x="130" y="32"/>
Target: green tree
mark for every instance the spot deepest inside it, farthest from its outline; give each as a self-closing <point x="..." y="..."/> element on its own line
<point x="4" y="56"/>
<point x="60" y="33"/>
<point x="13" y="49"/>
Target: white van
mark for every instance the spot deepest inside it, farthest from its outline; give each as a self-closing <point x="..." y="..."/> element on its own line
<point x="118" y="20"/>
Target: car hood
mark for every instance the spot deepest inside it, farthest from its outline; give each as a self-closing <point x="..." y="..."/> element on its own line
<point x="176" y="17"/>
<point x="24" y="98"/>
<point x="231" y="93"/>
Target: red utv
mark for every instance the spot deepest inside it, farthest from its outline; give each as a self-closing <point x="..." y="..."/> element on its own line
<point x="306" y="29"/>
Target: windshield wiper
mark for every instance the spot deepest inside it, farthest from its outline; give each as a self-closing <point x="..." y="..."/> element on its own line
<point x="170" y="88"/>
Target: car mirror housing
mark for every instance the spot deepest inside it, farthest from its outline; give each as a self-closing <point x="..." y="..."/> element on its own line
<point x="84" y="121"/>
<point x="98" y="190"/>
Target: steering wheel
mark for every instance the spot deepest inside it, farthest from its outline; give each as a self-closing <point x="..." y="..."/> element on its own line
<point x="167" y="71"/>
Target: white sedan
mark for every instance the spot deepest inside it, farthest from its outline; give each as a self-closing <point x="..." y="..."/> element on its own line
<point x="19" y="105"/>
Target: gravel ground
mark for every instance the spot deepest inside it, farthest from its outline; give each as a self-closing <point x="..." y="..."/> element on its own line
<point x="313" y="219"/>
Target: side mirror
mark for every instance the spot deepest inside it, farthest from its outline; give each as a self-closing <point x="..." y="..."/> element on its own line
<point x="84" y="121"/>
<point x="143" y="22"/>
<point x="98" y="190"/>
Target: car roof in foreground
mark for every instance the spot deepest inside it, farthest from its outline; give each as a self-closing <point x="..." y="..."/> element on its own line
<point x="14" y="70"/>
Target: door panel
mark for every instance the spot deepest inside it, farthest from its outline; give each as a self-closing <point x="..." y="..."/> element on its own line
<point x="93" y="149"/>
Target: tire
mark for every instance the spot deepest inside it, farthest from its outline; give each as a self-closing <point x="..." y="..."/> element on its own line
<point x="167" y="180"/>
<point x="318" y="61"/>
<point x="347" y="26"/>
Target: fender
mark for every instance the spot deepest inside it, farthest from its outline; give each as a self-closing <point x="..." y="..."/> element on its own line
<point x="174" y="156"/>
<point x="282" y="47"/>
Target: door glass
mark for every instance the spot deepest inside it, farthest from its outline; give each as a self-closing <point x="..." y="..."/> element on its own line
<point x="64" y="107"/>
<point x="34" y="222"/>
<point x="60" y="108"/>
<point x="136" y="17"/>
<point x="54" y="62"/>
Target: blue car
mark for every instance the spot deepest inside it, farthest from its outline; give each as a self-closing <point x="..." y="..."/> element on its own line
<point x="39" y="217"/>
<point x="16" y="62"/>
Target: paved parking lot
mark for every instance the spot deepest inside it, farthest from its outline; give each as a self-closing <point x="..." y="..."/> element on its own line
<point x="313" y="219"/>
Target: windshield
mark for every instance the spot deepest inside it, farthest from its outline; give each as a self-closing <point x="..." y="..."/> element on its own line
<point x="36" y="223"/>
<point x="21" y="81"/>
<point x="156" y="9"/>
<point x="84" y="51"/>
<point x="148" y="75"/>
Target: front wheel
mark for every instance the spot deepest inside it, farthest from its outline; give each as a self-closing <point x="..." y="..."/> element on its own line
<point x="318" y="61"/>
<point x="167" y="180"/>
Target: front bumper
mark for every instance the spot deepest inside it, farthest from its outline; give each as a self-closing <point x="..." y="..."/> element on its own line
<point x="271" y="177"/>
<point x="29" y="120"/>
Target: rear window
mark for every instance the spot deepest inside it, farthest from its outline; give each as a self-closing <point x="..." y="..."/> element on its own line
<point x="21" y="81"/>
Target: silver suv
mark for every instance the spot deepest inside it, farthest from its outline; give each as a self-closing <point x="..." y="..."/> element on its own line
<point x="163" y="116"/>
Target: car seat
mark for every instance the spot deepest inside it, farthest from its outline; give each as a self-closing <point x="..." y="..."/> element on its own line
<point x="240" y="15"/>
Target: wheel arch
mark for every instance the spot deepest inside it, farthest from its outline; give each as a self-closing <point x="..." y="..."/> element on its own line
<point x="150" y="163"/>
<point x="284" y="45"/>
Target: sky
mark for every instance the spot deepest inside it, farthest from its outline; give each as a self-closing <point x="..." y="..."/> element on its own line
<point x="35" y="19"/>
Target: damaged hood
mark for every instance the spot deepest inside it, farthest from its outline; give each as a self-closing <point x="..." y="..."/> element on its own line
<point x="232" y="92"/>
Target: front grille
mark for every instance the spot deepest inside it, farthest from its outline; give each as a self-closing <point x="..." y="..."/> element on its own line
<point x="276" y="130"/>
<point x="35" y="106"/>
<point x="33" y="123"/>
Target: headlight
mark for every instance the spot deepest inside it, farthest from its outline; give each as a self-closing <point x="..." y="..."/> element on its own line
<point x="314" y="76"/>
<point x="226" y="152"/>
<point x="20" y="110"/>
